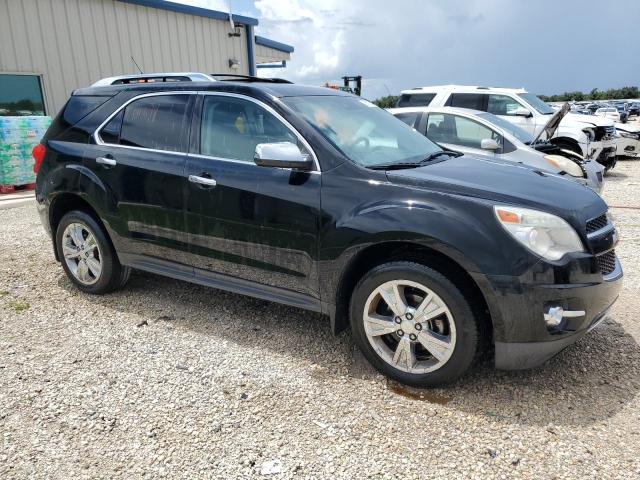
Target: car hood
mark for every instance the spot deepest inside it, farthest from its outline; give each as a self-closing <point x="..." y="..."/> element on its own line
<point x="504" y="182"/>
<point x="553" y="123"/>
<point x="592" y="120"/>
<point x="627" y="127"/>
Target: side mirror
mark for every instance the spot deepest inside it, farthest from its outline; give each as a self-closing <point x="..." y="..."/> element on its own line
<point x="521" y="112"/>
<point x="281" y="155"/>
<point x="489" y="144"/>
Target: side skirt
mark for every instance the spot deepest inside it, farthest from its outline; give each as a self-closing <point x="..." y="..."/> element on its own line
<point x="219" y="281"/>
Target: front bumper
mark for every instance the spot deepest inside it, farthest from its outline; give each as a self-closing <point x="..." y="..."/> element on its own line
<point x="595" y="176"/>
<point x="521" y="336"/>
<point x="627" y="147"/>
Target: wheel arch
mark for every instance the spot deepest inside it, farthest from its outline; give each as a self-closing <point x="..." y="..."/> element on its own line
<point x="64" y="203"/>
<point x="383" y="252"/>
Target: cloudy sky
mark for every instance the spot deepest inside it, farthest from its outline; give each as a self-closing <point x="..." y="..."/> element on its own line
<point x="546" y="46"/>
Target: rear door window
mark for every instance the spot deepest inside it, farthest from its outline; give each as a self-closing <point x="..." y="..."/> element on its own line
<point x="475" y="101"/>
<point x="415" y="99"/>
<point x="159" y="122"/>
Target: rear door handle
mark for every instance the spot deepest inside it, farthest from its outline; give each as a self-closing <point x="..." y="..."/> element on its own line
<point x="106" y="161"/>
<point x="209" y="182"/>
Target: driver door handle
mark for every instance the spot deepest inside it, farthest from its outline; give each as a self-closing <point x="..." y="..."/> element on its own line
<point x="106" y="161"/>
<point x="209" y="182"/>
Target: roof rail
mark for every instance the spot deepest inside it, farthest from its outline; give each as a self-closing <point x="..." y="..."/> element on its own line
<point x="159" y="77"/>
<point x="233" y="77"/>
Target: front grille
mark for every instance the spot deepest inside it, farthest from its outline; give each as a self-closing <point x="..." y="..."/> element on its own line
<point x="604" y="133"/>
<point x="597" y="223"/>
<point x="607" y="262"/>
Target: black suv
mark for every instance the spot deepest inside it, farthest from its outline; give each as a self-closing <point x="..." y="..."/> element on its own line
<point x="318" y="199"/>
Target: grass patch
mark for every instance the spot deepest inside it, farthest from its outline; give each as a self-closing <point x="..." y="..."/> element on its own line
<point x="18" y="306"/>
<point x="3" y="293"/>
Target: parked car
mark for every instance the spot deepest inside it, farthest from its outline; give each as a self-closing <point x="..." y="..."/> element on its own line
<point x="318" y="199"/>
<point x="627" y="140"/>
<point x="485" y="135"/>
<point x="608" y="112"/>
<point x="633" y="108"/>
<point x="590" y="136"/>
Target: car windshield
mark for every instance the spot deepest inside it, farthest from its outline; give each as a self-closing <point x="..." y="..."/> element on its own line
<point x="364" y="133"/>
<point x="519" y="133"/>
<point x="536" y="103"/>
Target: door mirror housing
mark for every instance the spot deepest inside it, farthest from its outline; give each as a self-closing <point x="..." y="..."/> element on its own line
<point x="522" y="112"/>
<point x="489" y="144"/>
<point x="281" y="155"/>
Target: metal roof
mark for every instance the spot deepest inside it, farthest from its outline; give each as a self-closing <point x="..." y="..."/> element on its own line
<point x="265" y="42"/>
<point x="191" y="10"/>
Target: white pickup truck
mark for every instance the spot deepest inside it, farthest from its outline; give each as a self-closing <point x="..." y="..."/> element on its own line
<point x="591" y="136"/>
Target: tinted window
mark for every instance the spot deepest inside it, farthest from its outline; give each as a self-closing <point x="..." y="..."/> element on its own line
<point x="158" y="122"/>
<point x="502" y="105"/>
<point x="232" y="127"/>
<point x="409" y="118"/>
<point x="79" y="107"/>
<point x="474" y="101"/>
<point x="415" y="99"/>
<point x="21" y="95"/>
<point x="110" y="133"/>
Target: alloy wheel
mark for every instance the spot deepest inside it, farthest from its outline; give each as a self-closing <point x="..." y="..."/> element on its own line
<point x="409" y="326"/>
<point x="82" y="253"/>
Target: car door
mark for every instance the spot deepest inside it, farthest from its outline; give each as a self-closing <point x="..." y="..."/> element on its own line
<point x="251" y="223"/>
<point x="139" y="158"/>
<point x="460" y="133"/>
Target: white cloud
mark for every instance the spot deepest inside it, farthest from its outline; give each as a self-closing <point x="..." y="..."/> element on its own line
<point x="221" y="5"/>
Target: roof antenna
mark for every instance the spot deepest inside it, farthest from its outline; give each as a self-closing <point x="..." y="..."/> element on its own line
<point x="136" y="64"/>
<point x="235" y="30"/>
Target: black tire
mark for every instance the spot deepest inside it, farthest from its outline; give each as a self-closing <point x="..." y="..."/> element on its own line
<point x="113" y="275"/>
<point x="467" y="344"/>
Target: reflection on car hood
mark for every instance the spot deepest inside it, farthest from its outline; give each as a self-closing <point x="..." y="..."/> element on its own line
<point x="591" y="120"/>
<point x="502" y="181"/>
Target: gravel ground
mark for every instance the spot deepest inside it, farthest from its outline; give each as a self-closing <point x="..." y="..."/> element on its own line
<point x="168" y="379"/>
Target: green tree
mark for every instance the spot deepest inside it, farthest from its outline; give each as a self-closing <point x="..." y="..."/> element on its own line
<point x="386" y="102"/>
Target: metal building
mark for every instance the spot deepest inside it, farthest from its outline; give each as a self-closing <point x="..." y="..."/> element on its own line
<point x="48" y="48"/>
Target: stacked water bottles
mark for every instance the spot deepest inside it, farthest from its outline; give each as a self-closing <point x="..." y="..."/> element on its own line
<point x="18" y="136"/>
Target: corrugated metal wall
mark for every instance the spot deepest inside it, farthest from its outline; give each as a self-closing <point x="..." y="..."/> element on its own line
<point x="264" y="54"/>
<point x="73" y="43"/>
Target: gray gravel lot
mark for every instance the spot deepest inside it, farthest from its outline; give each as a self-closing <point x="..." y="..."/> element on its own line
<point x="168" y="379"/>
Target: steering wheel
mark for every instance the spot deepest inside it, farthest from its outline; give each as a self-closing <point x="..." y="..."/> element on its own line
<point x="363" y="140"/>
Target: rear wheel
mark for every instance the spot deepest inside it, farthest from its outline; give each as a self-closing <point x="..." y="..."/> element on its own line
<point x="413" y="324"/>
<point x="87" y="255"/>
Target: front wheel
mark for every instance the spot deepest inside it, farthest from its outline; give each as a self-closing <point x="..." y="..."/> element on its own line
<point x="413" y="324"/>
<point x="87" y="256"/>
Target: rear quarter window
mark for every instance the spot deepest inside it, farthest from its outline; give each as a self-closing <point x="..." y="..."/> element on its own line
<point x="415" y="99"/>
<point x="80" y="106"/>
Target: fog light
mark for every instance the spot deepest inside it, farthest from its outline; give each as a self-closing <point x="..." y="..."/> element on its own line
<point x="554" y="316"/>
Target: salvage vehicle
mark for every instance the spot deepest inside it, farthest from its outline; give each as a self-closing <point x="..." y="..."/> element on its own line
<point x="590" y="136"/>
<point x="627" y="140"/>
<point x="318" y="199"/>
<point x="608" y="112"/>
<point x="485" y="135"/>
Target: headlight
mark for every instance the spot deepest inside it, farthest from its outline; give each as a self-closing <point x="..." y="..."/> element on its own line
<point x="563" y="163"/>
<point x="635" y="136"/>
<point x="590" y="133"/>
<point x="544" y="234"/>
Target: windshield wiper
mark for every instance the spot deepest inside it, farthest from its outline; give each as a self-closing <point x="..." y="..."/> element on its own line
<point x="403" y="165"/>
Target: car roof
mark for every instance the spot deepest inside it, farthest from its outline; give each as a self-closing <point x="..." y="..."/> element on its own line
<point x="462" y="88"/>
<point x="452" y="110"/>
<point x="272" y="89"/>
